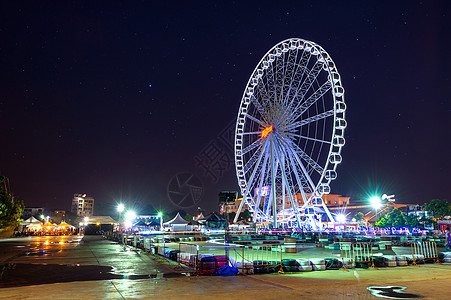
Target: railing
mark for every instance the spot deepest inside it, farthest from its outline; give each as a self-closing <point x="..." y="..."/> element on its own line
<point x="356" y="253"/>
<point x="424" y="250"/>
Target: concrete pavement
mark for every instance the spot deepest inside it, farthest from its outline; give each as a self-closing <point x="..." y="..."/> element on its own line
<point x="430" y="281"/>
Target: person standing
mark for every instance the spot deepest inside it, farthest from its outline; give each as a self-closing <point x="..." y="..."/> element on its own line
<point x="448" y="240"/>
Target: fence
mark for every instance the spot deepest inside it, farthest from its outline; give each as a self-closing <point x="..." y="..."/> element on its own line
<point x="356" y="253"/>
<point x="424" y="250"/>
<point x="188" y="254"/>
<point x="244" y="257"/>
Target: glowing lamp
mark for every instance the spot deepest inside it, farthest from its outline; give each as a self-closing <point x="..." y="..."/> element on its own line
<point x="130" y="215"/>
<point x="341" y="218"/>
<point x="120" y="208"/>
<point x="266" y="131"/>
<point x="376" y="202"/>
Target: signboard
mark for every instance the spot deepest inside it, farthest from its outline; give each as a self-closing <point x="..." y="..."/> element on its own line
<point x="265" y="190"/>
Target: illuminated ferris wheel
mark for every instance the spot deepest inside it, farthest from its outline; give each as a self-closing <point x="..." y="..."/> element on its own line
<point x="289" y="135"/>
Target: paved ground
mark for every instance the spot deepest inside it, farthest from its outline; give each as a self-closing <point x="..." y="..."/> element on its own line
<point x="103" y="269"/>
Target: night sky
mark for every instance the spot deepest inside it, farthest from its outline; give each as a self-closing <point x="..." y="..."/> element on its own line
<point x="116" y="99"/>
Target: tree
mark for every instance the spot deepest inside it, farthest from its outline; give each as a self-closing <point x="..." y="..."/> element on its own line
<point x="232" y="215"/>
<point x="245" y="215"/>
<point x="398" y="219"/>
<point x="439" y="208"/>
<point x="72" y="218"/>
<point x="411" y="221"/>
<point x="188" y="217"/>
<point x="10" y="211"/>
<point x="358" y="216"/>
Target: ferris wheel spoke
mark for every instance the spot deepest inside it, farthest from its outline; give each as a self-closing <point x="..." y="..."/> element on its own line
<point x="306" y="176"/>
<point x="270" y="83"/>
<point x="255" y="120"/>
<point x="291" y="82"/>
<point x="315" y="96"/>
<point x="299" y="153"/>
<point x="272" y="200"/>
<point x="287" y="182"/>
<point x="301" y="180"/>
<point x="250" y="133"/>
<point x="260" y="186"/>
<point x="309" y="160"/>
<point x="310" y="78"/>
<point x="278" y="77"/>
<point x="262" y="91"/>
<point x="302" y="67"/>
<point x="309" y="120"/>
<point x="258" y="106"/>
<point x="252" y="146"/>
<point x="251" y="179"/>
<point x="252" y="160"/>
<point x="302" y="107"/>
<point x="308" y="138"/>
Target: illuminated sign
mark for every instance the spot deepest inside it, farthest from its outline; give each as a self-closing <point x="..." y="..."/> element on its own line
<point x="263" y="192"/>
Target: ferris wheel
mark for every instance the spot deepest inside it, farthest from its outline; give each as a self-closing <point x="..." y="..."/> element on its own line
<point x="289" y="135"/>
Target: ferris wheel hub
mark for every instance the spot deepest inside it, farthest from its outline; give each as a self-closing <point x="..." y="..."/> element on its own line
<point x="266" y="131"/>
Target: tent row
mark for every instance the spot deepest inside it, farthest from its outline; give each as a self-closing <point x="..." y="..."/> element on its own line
<point x="33" y="224"/>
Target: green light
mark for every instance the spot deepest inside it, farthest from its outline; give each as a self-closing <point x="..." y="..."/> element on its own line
<point x="160" y="214"/>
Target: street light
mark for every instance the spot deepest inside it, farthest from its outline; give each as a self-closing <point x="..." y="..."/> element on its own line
<point x="129" y="217"/>
<point x="120" y="209"/>
<point x="341" y="218"/>
<point x="160" y="215"/>
<point x="376" y="203"/>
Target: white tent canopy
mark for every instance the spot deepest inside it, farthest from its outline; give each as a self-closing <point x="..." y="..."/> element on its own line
<point x="30" y="221"/>
<point x="177" y="220"/>
<point x="199" y="217"/>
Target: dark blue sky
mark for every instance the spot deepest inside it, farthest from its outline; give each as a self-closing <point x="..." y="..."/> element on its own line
<point x="115" y="99"/>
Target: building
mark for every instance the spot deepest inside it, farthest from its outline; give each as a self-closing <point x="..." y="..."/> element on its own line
<point x="83" y="205"/>
<point x="418" y="210"/>
<point x="33" y="211"/>
<point x="232" y="207"/>
<point x="330" y="200"/>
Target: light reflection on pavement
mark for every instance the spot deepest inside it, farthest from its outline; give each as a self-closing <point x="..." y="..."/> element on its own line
<point x="93" y="257"/>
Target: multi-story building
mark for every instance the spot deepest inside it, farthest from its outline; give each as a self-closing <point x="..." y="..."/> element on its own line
<point x="33" y="211"/>
<point x="330" y="200"/>
<point x="233" y="206"/>
<point x="83" y="205"/>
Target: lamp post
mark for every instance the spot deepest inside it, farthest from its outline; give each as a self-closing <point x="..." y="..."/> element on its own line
<point x="160" y="216"/>
<point x="120" y="209"/>
<point x="376" y="203"/>
<point x="129" y="217"/>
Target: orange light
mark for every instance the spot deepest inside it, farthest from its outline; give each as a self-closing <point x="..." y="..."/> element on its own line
<point x="266" y="131"/>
